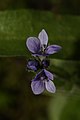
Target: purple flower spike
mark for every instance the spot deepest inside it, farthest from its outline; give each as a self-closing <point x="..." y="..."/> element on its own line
<point x="33" y="65"/>
<point x="43" y="81"/>
<point x="40" y="50"/>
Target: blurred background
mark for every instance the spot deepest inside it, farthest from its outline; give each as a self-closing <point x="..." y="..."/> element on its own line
<point x="20" y="19"/>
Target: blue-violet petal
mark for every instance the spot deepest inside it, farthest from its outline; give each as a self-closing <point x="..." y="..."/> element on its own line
<point x="43" y="37"/>
<point x="52" y="49"/>
<point x="33" y="44"/>
<point x="50" y="86"/>
<point x="48" y="74"/>
<point x="37" y="87"/>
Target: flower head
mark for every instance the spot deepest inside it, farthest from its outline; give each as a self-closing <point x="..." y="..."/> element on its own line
<point x="39" y="46"/>
<point x="43" y="81"/>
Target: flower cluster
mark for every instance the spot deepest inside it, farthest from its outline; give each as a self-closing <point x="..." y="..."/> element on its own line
<point x="40" y="51"/>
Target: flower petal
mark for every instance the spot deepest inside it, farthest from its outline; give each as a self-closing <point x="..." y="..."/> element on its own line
<point x="49" y="74"/>
<point x="37" y="87"/>
<point x="33" y="44"/>
<point x="52" y="49"/>
<point x="43" y="37"/>
<point x="39" y="75"/>
<point x="50" y="86"/>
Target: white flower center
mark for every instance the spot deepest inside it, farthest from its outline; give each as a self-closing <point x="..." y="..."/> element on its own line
<point x="42" y="78"/>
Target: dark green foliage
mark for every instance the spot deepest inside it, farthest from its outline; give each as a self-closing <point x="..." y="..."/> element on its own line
<point x="16" y="26"/>
<point x="19" y="20"/>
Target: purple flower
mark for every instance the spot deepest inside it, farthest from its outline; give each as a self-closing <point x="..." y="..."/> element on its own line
<point x="45" y="63"/>
<point x="43" y="81"/>
<point x="33" y="65"/>
<point x="38" y="46"/>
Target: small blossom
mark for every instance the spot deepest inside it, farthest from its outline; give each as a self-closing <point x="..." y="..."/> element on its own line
<point x="43" y="81"/>
<point x="33" y="65"/>
<point x="45" y="63"/>
<point x="39" y="46"/>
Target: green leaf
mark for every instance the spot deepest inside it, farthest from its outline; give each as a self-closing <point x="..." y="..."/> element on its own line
<point x="65" y="105"/>
<point x="72" y="108"/>
<point x="67" y="72"/>
<point x="17" y="25"/>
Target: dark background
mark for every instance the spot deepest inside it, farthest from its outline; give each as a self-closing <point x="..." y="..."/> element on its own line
<point x="20" y="19"/>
